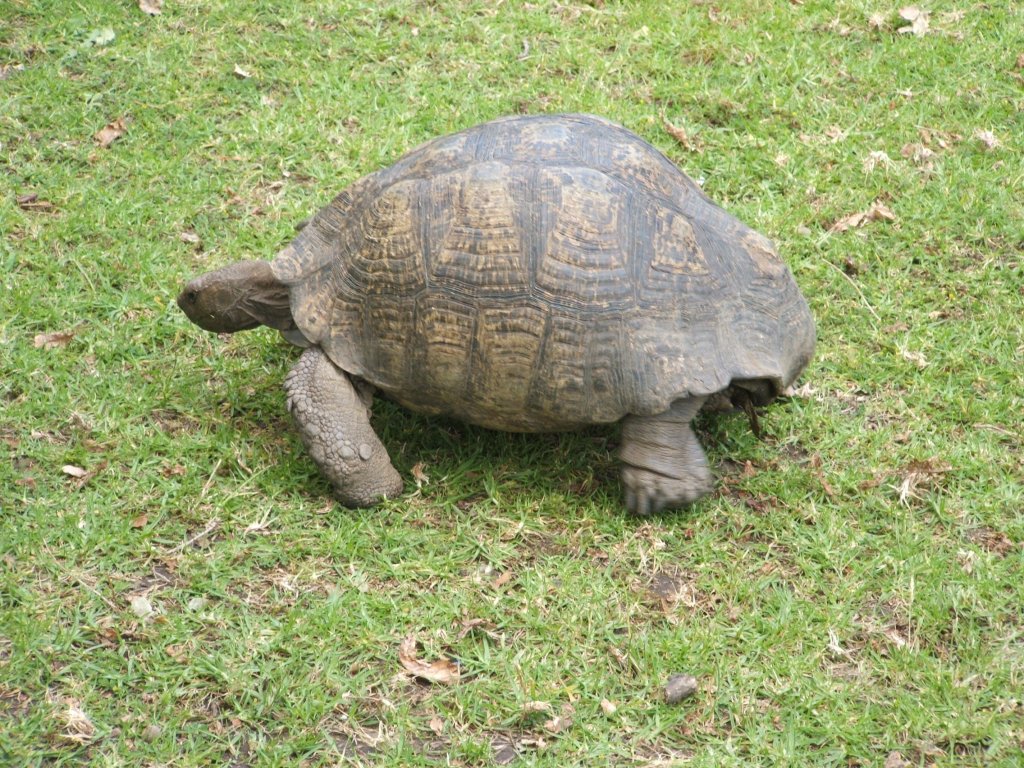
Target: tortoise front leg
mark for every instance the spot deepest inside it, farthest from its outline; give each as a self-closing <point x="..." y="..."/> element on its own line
<point x="665" y="466"/>
<point x="334" y="422"/>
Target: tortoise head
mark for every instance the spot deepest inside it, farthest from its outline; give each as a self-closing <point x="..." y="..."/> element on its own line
<point x="237" y="297"/>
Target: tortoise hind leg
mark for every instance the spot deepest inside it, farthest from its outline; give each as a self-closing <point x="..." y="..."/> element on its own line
<point x="665" y="465"/>
<point x="334" y="423"/>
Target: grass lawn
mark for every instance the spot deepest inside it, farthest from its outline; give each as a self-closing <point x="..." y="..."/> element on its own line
<point x="177" y="587"/>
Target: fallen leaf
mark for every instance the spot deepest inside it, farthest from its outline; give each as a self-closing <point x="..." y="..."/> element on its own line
<point x="876" y="159"/>
<point x="196" y="603"/>
<point x="419" y="475"/>
<point x="877" y="212"/>
<point x="1020" y="61"/>
<point x="73" y="471"/>
<point x="33" y="203"/>
<point x="918" y="19"/>
<point x="805" y="390"/>
<point x="110" y="133"/>
<point x="918" y="154"/>
<point x="557" y="724"/>
<point x="178" y="652"/>
<point x="189" y="237"/>
<point x="967" y="559"/>
<point x="502" y="580"/>
<point x="141" y="606"/>
<point x="443" y="671"/>
<point x="7" y="69"/>
<point x="916" y="358"/>
<point x="988" y="140"/>
<point x="917" y="473"/>
<point x="532" y="707"/>
<point x="140" y="521"/>
<point x="895" y="760"/>
<point x="608" y="707"/>
<point x="77" y="725"/>
<point x="485" y="626"/>
<point x="876" y="21"/>
<point x="680" y="135"/>
<point x="152" y="7"/>
<point x="100" y="37"/>
<point x="244" y="74"/>
<point x="52" y="340"/>
<point x="835" y="133"/>
<point x="436" y="724"/>
<point x="261" y="526"/>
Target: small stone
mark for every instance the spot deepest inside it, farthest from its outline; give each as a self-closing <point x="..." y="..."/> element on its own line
<point x="197" y="603"/>
<point x="365" y="452"/>
<point x="680" y="687"/>
<point x="141" y="607"/>
<point x="151" y="732"/>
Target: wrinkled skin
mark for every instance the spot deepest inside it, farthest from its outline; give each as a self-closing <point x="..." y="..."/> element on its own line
<point x="237" y="297"/>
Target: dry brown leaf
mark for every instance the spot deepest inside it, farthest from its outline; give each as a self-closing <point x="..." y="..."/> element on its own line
<point x="877" y="159"/>
<point x="32" y="202"/>
<point x="688" y="143"/>
<point x="140" y="521"/>
<point x="188" y="236"/>
<point x="502" y="580"/>
<point x="918" y="472"/>
<point x="968" y="560"/>
<point x="988" y="140"/>
<point x="835" y="133"/>
<point x="110" y="133"/>
<point x="469" y="625"/>
<point x="895" y="760"/>
<point x="419" y="475"/>
<point x="918" y="19"/>
<point x="1020" y="61"/>
<point x="917" y="358"/>
<point x="74" y="471"/>
<point x="52" y="340"/>
<point x="178" y="652"/>
<point x="436" y="724"/>
<point x="151" y="7"/>
<point x="878" y="211"/>
<point x="244" y="74"/>
<point x="77" y="725"/>
<point x="7" y="69"/>
<point x="608" y="707"/>
<point x="876" y="21"/>
<point x="531" y="707"/>
<point x="918" y="154"/>
<point x="557" y="724"/>
<point x="443" y="671"/>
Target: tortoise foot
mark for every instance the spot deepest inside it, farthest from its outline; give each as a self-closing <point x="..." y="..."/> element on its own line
<point x="665" y="466"/>
<point x="649" y="492"/>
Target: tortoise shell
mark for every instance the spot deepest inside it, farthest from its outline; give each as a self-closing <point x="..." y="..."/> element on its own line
<point x="539" y="273"/>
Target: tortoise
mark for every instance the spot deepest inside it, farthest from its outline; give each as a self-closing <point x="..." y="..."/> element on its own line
<point x="530" y="274"/>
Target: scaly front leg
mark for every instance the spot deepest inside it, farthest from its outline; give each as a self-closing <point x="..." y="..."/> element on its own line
<point x="334" y="423"/>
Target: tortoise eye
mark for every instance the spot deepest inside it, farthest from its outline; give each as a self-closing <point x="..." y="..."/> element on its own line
<point x="192" y="296"/>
